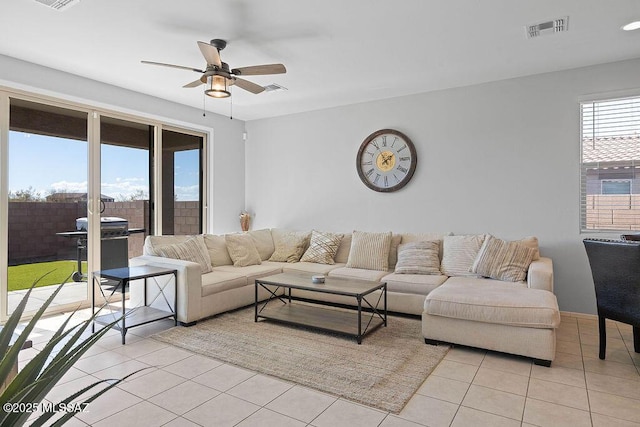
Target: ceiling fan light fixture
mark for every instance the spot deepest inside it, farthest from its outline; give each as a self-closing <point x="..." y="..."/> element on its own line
<point x="217" y="87"/>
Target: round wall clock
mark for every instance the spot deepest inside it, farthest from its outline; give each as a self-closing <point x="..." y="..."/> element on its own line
<point x="386" y="160"/>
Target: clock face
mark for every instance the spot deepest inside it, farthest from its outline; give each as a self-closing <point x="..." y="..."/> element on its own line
<point x="386" y="160"/>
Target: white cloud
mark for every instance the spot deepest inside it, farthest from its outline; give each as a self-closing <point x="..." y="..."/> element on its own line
<point x="190" y="192"/>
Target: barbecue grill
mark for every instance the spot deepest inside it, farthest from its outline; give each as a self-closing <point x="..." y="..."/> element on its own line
<point x="114" y="243"/>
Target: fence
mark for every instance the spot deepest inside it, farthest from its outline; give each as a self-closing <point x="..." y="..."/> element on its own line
<point x="33" y="227"/>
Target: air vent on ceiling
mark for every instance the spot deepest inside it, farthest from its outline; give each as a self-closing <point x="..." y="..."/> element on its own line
<point x="274" y="87"/>
<point x="58" y="4"/>
<point x="548" y="27"/>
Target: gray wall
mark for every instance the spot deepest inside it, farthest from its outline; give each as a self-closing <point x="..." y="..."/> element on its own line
<point x="228" y="146"/>
<point x="500" y="158"/>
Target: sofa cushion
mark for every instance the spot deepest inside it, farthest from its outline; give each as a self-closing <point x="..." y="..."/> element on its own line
<point x="220" y="281"/>
<point x="242" y="250"/>
<point x="358" y="273"/>
<point x="494" y="302"/>
<point x="419" y="258"/>
<point x="323" y="247"/>
<point x="396" y="239"/>
<point x="311" y="267"/>
<point x="252" y="272"/>
<point x="370" y="251"/>
<point x="342" y="256"/>
<point x="459" y="253"/>
<point x="218" y="252"/>
<point x="289" y="245"/>
<point x="502" y="260"/>
<point x="192" y="249"/>
<point x="264" y="242"/>
<point x="420" y="284"/>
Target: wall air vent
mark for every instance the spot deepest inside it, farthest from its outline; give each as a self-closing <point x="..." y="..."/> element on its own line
<point x="58" y="4"/>
<point x="548" y="27"/>
<point x="273" y="87"/>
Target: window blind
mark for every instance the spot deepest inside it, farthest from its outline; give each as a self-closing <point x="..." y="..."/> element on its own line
<point x="610" y="165"/>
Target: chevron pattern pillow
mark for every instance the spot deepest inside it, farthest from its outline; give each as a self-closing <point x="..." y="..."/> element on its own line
<point x="323" y="247"/>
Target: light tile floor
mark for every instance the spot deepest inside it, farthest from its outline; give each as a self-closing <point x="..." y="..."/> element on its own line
<point x="469" y="387"/>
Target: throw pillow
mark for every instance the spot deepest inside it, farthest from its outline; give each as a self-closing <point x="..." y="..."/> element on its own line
<point x="459" y="253"/>
<point x="531" y="242"/>
<point x="263" y="241"/>
<point x="289" y="245"/>
<point x="242" y="250"/>
<point x="369" y="251"/>
<point x="217" y="250"/>
<point x="502" y="260"/>
<point x="192" y="249"/>
<point x="323" y="248"/>
<point x="418" y="258"/>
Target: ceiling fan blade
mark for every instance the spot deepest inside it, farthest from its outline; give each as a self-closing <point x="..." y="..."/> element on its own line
<point x="196" y="83"/>
<point x="249" y="86"/>
<point x="182" y="67"/>
<point x="259" y="70"/>
<point x="210" y="53"/>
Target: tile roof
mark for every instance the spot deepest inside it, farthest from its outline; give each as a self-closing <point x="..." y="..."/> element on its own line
<point x="611" y="149"/>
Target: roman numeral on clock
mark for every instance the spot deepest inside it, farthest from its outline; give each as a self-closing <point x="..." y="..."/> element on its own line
<point x="386" y="181"/>
<point x="375" y="180"/>
<point x="375" y="144"/>
<point x="384" y="140"/>
<point x="369" y="172"/>
<point x="400" y="149"/>
<point x="369" y="163"/>
<point x="405" y="159"/>
<point x="402" y="169"/>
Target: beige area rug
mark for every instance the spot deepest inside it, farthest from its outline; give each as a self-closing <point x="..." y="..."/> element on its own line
<point x="383" y="372"/>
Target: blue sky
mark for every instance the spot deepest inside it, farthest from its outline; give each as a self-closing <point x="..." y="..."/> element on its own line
<point x="47" y="163"/>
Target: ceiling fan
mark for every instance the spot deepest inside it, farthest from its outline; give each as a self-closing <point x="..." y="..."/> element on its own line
<point x="217" y="75"/>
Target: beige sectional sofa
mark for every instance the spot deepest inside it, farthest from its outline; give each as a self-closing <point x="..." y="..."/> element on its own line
<point x="515" y="317"/>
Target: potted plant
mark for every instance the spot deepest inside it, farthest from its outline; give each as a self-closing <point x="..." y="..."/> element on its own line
<point x="25" y="392"/>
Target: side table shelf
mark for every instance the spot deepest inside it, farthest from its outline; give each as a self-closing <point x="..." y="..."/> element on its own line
<point x="124" y="278"/>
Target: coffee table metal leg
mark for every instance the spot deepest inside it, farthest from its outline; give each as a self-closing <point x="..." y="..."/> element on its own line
<point x="256" y="302"/>
<point x="359" y="320"/>
<point x="385" y="305"/>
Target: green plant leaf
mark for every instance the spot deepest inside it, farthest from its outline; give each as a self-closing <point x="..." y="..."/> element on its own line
<point x="11" y="353"/>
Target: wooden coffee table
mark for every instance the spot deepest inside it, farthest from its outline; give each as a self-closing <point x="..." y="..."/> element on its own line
<point x="315" y="313"/>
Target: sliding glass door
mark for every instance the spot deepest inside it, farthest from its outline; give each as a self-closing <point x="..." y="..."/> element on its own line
<point x="47" y="183"/>
<point x="182" y="191"/>
<point x="80" y="189"/>
<point x="126" y="149"/>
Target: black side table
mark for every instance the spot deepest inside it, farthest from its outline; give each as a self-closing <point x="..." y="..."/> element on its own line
<point x="135" y="316"/>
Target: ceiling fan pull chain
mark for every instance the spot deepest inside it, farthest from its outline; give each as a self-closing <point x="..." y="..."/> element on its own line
<point x="204" y="100"/>
<point x="231" y="104"/>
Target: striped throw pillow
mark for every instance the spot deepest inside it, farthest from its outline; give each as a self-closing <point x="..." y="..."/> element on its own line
<point x="419" y="258"/>
<point x="323" y="248"/>
<point x="502" y="260"/>
<point x="370" y="251"/>
<point x="193" y="249"/>
<point x="459" y="252"/>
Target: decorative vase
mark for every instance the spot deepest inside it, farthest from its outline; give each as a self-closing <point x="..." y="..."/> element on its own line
<point x="245" y="218"/>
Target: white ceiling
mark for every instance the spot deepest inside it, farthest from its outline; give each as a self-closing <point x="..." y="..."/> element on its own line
<point x="336" y="51"/>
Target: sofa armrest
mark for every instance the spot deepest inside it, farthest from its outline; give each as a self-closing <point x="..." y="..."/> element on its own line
<point x="540" y="275"/>
<point x="188" y="286"/>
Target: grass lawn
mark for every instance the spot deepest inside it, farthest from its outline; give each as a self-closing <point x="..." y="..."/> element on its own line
<point x="23" y="276"/>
